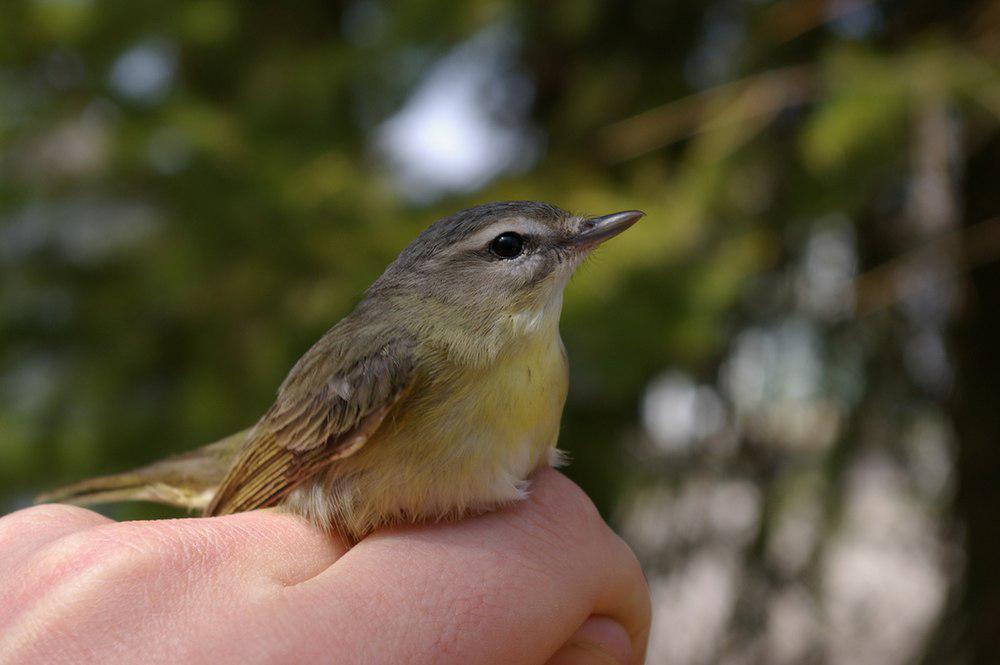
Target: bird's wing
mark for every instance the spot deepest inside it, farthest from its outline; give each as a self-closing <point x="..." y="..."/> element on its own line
<point x="326" y="410"/>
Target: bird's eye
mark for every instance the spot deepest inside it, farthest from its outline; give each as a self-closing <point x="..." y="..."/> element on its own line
<point x="507" y="245"/>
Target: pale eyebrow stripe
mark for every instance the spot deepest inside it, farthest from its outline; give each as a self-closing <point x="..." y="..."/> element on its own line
<point x="517" y="225"/>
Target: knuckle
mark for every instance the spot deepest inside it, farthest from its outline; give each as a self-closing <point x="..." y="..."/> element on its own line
<point x="567" y="513"/>
<point x="99" y="554"/>
<point x="631" y="567"/>
<point x="77" y="552"/>
<point x="69" y="573"/>
<point x="581" y="510"/>
<point x="109" y="561"/>
<point x="40" y="518"/>
<point x="630" y="579"/>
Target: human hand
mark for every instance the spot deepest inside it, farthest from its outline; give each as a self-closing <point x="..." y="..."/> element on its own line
<point x="544" y="580"/>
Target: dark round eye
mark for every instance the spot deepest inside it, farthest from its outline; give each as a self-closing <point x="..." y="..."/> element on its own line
<point x="507" y="245"/>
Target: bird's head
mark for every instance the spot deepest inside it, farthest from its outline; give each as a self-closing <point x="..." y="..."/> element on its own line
<point x="496" y="271"/>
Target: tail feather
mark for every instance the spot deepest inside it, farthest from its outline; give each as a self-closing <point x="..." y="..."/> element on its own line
<point x="187" y="481"/>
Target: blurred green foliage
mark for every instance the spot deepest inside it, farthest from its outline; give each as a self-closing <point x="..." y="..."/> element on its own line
<point x="191" y="192"/>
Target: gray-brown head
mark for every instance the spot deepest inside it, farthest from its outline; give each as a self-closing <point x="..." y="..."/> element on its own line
<point x="495" y="261"/>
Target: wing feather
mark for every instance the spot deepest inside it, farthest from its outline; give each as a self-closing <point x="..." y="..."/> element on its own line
<point x="327" y="409"/>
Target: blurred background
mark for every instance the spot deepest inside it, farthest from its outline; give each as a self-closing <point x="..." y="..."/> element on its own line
<point x="785" y="380"/>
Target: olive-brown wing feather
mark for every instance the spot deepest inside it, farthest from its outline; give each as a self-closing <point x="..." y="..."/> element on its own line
<point x="321" y="418"/>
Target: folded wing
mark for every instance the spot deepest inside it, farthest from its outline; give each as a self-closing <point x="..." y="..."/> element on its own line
<point x="328" y="408"/>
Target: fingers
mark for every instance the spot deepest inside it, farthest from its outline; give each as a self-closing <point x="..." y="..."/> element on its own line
<point x="259" y="546"/>
<point x="599" y="641"/>
<point x="236" y="549"/>
<point x="510" y="586"/>
<point x="626" y="596"/>
<point x="125" y="581"/>
<point x="24" y="532"/>
<point x="517" y="585"/>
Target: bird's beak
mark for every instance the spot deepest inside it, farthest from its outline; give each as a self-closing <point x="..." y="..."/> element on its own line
<point x="596" y="230"/>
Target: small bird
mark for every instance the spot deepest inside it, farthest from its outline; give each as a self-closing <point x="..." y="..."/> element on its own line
<point x="435" y="398"/>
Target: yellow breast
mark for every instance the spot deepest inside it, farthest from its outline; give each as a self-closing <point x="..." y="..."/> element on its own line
<point x="464" y="439"/>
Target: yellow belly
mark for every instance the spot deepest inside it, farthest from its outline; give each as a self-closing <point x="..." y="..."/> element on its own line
<point x="463" y="441"/>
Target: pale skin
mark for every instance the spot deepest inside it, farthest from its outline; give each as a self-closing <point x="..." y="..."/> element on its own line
<point x="541" y="581"/>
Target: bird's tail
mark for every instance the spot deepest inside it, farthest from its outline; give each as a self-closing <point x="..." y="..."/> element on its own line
<point x="188" y="480"/>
